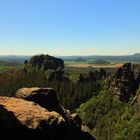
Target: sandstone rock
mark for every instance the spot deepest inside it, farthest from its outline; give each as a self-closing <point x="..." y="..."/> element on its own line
<point x="136" y="70"/>
<point x="20" y="119"/>
<point x="92" y="76"/>
<point x="86" y="133"/>
<point x="45" y="97"/>
<point x="76" y="119"/>
<point x="45" y="62"/>
<point x="136" y="99"/>
<point x="56" y="75"/>
<point x="124" y="82"/>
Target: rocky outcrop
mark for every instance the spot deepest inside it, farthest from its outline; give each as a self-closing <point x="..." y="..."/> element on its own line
<point x="29" y="118"/>
<point x="92" y="76"/>
<point x="45" y="97"/>
<point x="136" y="70"/>
<point x="127" y="80"/>
<point x="19" y="118"/>
<point x="57" y="75"/>
<point x="136" y="99"/>
<point x="45" y="62"/>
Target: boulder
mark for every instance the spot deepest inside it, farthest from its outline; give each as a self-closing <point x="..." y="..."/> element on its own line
<point x="45" y="97"/>
<point x="20" y="119"/>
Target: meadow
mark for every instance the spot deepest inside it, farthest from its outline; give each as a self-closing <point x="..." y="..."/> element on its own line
<point x="8" y="65"/>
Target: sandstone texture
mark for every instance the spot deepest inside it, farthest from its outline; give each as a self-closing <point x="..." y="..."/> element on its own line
<point x="127" y="80"/>
<point x="35" y="113"/>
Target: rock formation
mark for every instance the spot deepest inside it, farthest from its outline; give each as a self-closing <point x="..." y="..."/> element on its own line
<point x="127" y="80"/>
<point x="92" y="76"/>
<point x="38" y="115"/>
<point x="26" y="119"/>
<point x="57" y="75"/>
<point x="136" y="70"/>
<point x="136" y="99"/>
<point x="45" y="62"/>
<point x="45" y="97"/>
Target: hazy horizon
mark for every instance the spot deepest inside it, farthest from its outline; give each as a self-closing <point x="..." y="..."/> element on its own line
<point x="18" y="55"/>
<point x="69" y="27"/>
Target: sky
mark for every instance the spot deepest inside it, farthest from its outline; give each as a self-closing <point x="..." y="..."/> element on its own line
<point x="69" y="27"/>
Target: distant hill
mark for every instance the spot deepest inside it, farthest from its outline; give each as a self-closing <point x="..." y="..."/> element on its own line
<point x="137" y="54"/>
<point x="14" y="58"/>
<point x="100" y="62"/>
<point x="80" y="59"/>
<point x="22" y="58"/>
<point x="135" y="57"/>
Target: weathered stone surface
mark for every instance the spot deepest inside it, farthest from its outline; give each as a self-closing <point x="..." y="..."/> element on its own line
<point x="20" y="119"/>
<point x="136" y="70"/>
<point x="45" y="97"/>
<point x="136" y="98"/>
<point x="76" y="119"/>
<point x="127" y="80"/>
<point x="26" y="110"/>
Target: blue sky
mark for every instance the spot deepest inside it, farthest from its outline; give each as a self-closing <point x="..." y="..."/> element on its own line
<point x="69" y="27"/>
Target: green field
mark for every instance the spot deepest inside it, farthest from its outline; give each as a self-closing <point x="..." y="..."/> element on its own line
<point x="8" y="65"/>
<point x="4" y="68"/>
<point x="7" y="68"/>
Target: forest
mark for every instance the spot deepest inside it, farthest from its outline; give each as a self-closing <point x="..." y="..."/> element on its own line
<point x="105" y="99"/>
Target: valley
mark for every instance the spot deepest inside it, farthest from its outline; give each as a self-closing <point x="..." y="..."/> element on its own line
<point x="105" y="97"/>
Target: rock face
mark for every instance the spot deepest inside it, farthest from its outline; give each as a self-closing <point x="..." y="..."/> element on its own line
<point x="92" y="76"/>
<point x="57" y="75"/>
<point x="127" y="80"/>
<point x="45" y="62"/>
<point x="45" y="97"/>
<point x="136" y="69"/>
<point x="21" y="118"/>
<point x="136" y="99"/>
<point x="32" y="119"/>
